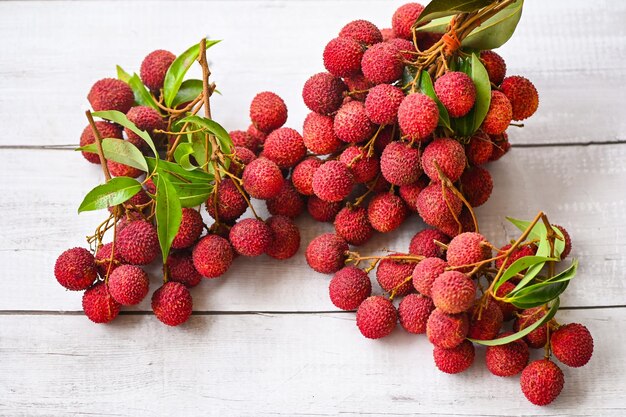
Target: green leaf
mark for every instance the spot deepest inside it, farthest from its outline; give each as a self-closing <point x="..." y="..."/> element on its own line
<point x="440" y="8"/>
<point x="199" y="146"/>
<point x="121" y="119"/>
<point x="521" y="333"/>
<point x="192" y="195"/>
<point x="122" y="75"/>
<point x="542" y="292"/>
<point x="518" y="266"/>
<point x="195" y="176"/>
<point x="142" y="95"/>
<point x="497" y="30"/>
<point x="119" y="150"/>
<point x="226" y="143"/>
<point x="176" y="72"/>
<point x="468" y="124"/>
<point x="114" y="192"/>
<point x="425" y="86"/>
<point x="181" y="155"/>
<point x="192" y="187"/>
<point x="168" y="213"/>
<point x="188" y="91"/>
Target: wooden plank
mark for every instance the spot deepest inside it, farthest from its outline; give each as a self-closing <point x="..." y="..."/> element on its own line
<point x="579" y="187"/>
<point x="54" y="51"/>
<point x="268" y="365"/>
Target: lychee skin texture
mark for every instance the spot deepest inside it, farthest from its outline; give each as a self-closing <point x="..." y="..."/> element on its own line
<point x="351" y="123"/>
<point x="406" y="47"/>
<point x="400" y="164"/>
<point x="323" y="93"/>
<point x="501" y="146"/>
<point x="212" y="256"/>
<point x="426" y="272"/>
<point x="349" y="287"/>
<point x="382" y="63"/>
<point x="413" y="312"/>
<point x="351" y="223"/>
<point x="326" y="253"/>
<point x="495" y="66"/>
<point x="410" y="192"/>
<point x="121" y="170"/>
<point x="387" y="34"/>
<point x="285" y="147"/>
<point x="103" y="254"/>
<point x="111" y="94"/>
<point x="423" y="243"/>
<point x="568" y="241"/>
<point x="106" y="130"/>
<point x="508" y="309"/>
<point x="572" y="344"/>
<point x="181" y="269"/>
<point x="154" y="67"/>
<point x="285" y="241"/>
<point x="230" y="203"/>
<point x="386" y="212"/>
<point x="448" y="154"/>
<point x="256" y="134"/>
<point x="244" y="139"/>
<point x="479" y="149"/>
<point x="342" y="57"/>
<point x="418" y="116"/>
<point x="268" y="111"/>
<point x="541" y="382"/>
<point x="499" y="115"/>
<point x="128" y="285"/>
<point x="457" y="93"/>
<point x="358" y="86"/>
<point x="262" y="179"/>
<point x="318" y="134"/>
<point x="446" y="330"/>
<point x="145" y="118"/>
<point x="433" y="209"/>
<point x="453" y="292"/>
<point x="404" y="18"/>
<point x="523" y="96"/>
<point x="172" y="303"/>
<point x="302" y="175"/>
<point x="455" y="360"/>
<point x="509" y="359"/>
<point x="190" y="229"/>
<point x="485" y="324"/>
<point x="392" y="275"/>
<point x="75" y="269"/>
<point x="250" y="237"/>
<point x="288" y="202"/>
<point x="476" y="185"/>
<point x="332" y="181"/>
<point x="362" y="31"/>
<point x="537" y="338"/>
<point x="98" y="304"/>
<point x="467" y="248"/>
<point x="376" y="317"/>
<point x="519" y="252"/>
<point x="382" y="103"/>
<point x="138" y="243"/>
<point x="323" y="211"/>
<point x="364" y="168"/>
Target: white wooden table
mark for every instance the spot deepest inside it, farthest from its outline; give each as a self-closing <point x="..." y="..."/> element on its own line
<point x="265" y="340"/>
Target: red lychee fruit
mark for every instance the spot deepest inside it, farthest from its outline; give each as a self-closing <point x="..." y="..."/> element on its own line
<point x="351" y="123"/>
<point x="508" y="309"/>
<point x="509" y="359"/>
<point x="572" y="344"/>
<point x="180" y="265"/>
<point x="434" y="207"/>
<point x="98" y="304"/>
<point x="351" y="223"/>
<point x="400" y="164"/>
<point x="448" y="154"/>
<point x="384" y="138"/>
<point x="285" y="241"/>
<point x="568" y="241"/>
<point x="349" y="287"/>
<point x="386" y="212"/>
<point x="537" y="338"/>
<point x="404" y="18"/>
<point x="258" y="136"/>
<point x="387" y="34"/>
<point x="172" y="303"/>
<point x="382" y="63"/>
<point x="364" y="168"/>
<point x="326" y="253"/>
<point x="523" y="96"/>
<point x="138" y="243"/>
<point x="190" y="229"/>
<point x="106" y="130"/>
<point x="379" y="185"/>
<point x="457" y="93"/>
<point x="456" y="359"/>
<point x="262" y="179"/>
<point x="103" y="259"/>
<point x="476" y="185"/>
<point x="406" y="48"/>
<point x="288" y="202"/>
<point x="111" y="94"/>
<point x="362" y="31"/>
<point x="212" y="256"/>
<point x="382" y="103"/>
<point x="302" y="175"/>
<point x="495" y="66"/>
<point x="138" y="199"/>
<point x="145" y="118"/>
<point x="230" y="203"/>
<point x="376" y="317"/>
<point x="323" y="211"/>
<point x="485" y="322"/>
<point x="501" y="145"/>
<point x="414" y="311"/>
<point x="332" y="181"/>
<point x="519" y="252"/>
<point x="268" y="111"/>
<point x="342" y="56"/>
<point x="466" y="249"/>
<point x="285" y="147"/>
<point x="542" y="381"/>
<point x="418" y="116"/>
<point x="453" y="292"/>
<point x="128" y="284"/>
<point x="75" y="269"/>
<point x="479" y="149"/>
<point x="394" y="275"/>
<point x="323" y="93"/>
<point x="423" y="243"/>
<point x="121" y="170"/>
<point x="358" y="86"/>
<point x="244" y="139"/>
<point x="154" y="67"/>
<point x="250" y="237"/>
<point x="243" y="157"/>
<point x="426" y="272"/>
<point x="446" y="330"/>
<point x="318" y="134"/>
<point x="499" y="115"/>
<point x="410" y="192"/>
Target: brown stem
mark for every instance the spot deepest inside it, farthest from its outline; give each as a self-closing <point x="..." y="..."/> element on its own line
<point x="98" y="139"/>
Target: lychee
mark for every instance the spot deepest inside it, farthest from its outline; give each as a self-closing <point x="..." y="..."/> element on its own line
<point x="457" y="93"/>
<point x="384" y="138"/>
<point x="172" y="303"/>
<point x="426" y="272"/>
<point x="323" y="211"/>
<point x="258" y="136"/>
<point x="285" y="147"/>
<point x="351" y="223"/>
<point x="434" y="207"/>
<point x="351" y="123"/>
<point x="285" y="241"/>
<point x="288" y="202"/>
<point x="406" y="48"/>
<point x="387" y="34"/>
<point x="138" y="243"/>
<point x="250" y="237"/>
<point x="181" y="269"/>
<point x="479" y="149"/>
<point x="508" y="359"/>
<point x="242" y="157"/>
<point x="326" y="253"/>
<point x="485" y="321"/>
<point x="262" y="179"/>
<point x="362" y="31"/>
<point x="358" y="86"/>
<point x="508" y="309"/>
<point x="537" y="338"/>
<point x="382" y="63"/>
<point x="400" y="164"/>
<point x="323" y="93"/>
<point x="456" y="359"/>
<point x="413" y="311"/>
<point x="117" y="169"/>
<point x="418" y="116"/>
<point x="244" y="139"/>
<point x="453" y="292"/>
<point x="342" y="56"/>
<point x="75" y="269"/>
<point x="568" y="241"/>
<point x="376" y="317"/>
<point x="541" y="382"/>
<point x="523" y="96"/>
<point x="212" y="256"/>
<point x="519" y="252"/>
<point x="393" y="275"/>
<point x="468" y="248"/>
<point x="98" y="304"/>
<point x="572" y="344"/>
<point x="423" y="243"/>
<point x="229" y="201"/>
<point x="404" y="18"/>
<point x="268" y="111"/>
<point x="302" y="175"/>
<point x="410" y="192"/>
<point x="501" y="145"/>
<point x="364" y="168"/>
<point x="154" y="67"/>
<point x="318" y="134"/>
<point x="382" y="103"/>
<point x="476" y="185"/>
<point x="349" y="287"/>
<point x="111" y="94"/>
<point x="128" y="284"/>
<point x="332" y="181"/>
<point x="386" y="212"/>
<point x="106" y="130"/>
<point x="145" y="118"/>
<point x="446" y="153"/>
<point x="495" y="66"/>
<point x="103" y="259"/>
<point x="499" y="115"/>
<point x="446" y="330"/>
<point x="190" y="229"/>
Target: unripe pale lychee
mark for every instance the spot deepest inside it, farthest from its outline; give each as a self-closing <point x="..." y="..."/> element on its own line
<point x="376" y="317"/>
<point x="180" y="265"/>
<point x="400" y="164"/>
<point x="250" y="237"/>
<point x="268" y="111"/>
<point x="426" y="272"/>
<point x="75" y="269"/>
<point x="393" y="275"/>
<point x="466" y="249"/>
<point x="349" y="287"/>
<point x="523" y="96"/>
<point x="509" y="359"/>
<point x="423" y="243"/>
<point x="453" y="292"/>
<point x="285" y="237"/>
<point x="572" y="344"/>
<point x="332" y="181"/>
<point x="172" y="303"/>
<point x="364" y="168"/>
<point x="212" y="256"/>
<point x="323" y="93"/>
<point x="446" y="153"/>
<point x="418" y="116"/>
<point x="318" y="134"/>
<point x="456" y="359"/>
<point x="230" y="203"/>
<point x="495" y="66"/>
<point x="499" y="115"/>
<point x="457" y="93"/>
<point x="154" y="67"/>
<point x="386" y="212"/>
<point x="302" y="175"/>
<point x="351" y="123"/>
<point x="382" y="103"/>
<point x="111" y="94"/>
<point x="351" y="223"/>
<point x="404" y="18"/>
<point x="285" y="147"/>
<point x="98" y="304"/>
<point x="145" y="118"/>
<point x="362" y="31"/>
<point x="485" y="322"/>
<point x="476" y="185"/>
<point x="106" y="130"/>
<point x="326" y="253"/>
<point x="190" y="229"/>
<point x="413" y="311"/>
<point x="342" y="56"/>
<point x="262" y="179"/>
<point x="541" y="382"/>
<point x="288" y="202"/>
<point x="382" y="63"/>
<point x="138" y="243"/>
<point x="323" y="211"/>
<point x="446" y="330"/>
<point x="128" y="284"/>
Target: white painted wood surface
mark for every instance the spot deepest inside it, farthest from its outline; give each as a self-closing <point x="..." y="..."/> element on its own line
<point x="307" y="359"/>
